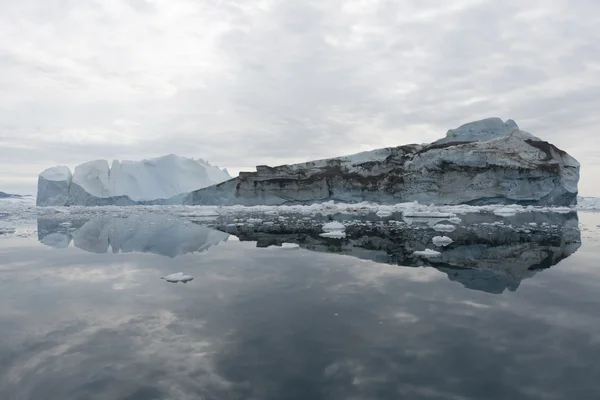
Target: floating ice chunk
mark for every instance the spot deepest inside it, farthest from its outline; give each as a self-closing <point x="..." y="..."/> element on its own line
<point x="177" y="277"/>
<point x="334" y="226"/>
<point x="334" y="234"/>
<point x="290" y="246"/>
<point x="506" y="211"/>
<point x="442" y="241"/>
<point x="427" y="253"/>
<point x="444" y="228"/>
<point x="427" y="214"/>
<point x="383" y="213"/>
<point x="455" y="220"/>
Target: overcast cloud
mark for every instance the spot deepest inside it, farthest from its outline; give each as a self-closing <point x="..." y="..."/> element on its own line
<point x="242" y="83"/>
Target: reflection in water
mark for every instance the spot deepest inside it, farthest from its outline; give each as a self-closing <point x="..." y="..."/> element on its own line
<point x="488" y="253"/>
<point x="159" y="234"/>
<point x="272" y="324"/>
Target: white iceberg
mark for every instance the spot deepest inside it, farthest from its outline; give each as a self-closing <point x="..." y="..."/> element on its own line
<point x="126" y="182"/>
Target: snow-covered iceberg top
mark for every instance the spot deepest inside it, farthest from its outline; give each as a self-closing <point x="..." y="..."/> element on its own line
<point x="145" y="180"/>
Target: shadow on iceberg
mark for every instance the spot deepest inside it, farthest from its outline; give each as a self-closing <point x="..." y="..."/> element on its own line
<point x="159" y="234"/>
<point x="488" y="253"/>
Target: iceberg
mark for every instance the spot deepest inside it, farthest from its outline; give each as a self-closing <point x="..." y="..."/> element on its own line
<point x="162" y="180"/>
<point x="481" y="163"/>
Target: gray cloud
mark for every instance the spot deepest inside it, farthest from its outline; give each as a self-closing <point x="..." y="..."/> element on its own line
<point x="245" y="83"/>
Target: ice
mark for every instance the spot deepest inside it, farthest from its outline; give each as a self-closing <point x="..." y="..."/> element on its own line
<point x="506" y="211"/>
<point x="153" y="179"/>
<point x="334" y="234"/>
<point x="427" y="253"/>
<point x="334" y="226"/>
<point x="290" y="246"/>
<point x="156" y="178"/>
<point x="177" y="277"/>
<point x="430" y="212"/>
<point x="441" y="241"/>
<point x="57" y="240"/>
<point x="58" y="173"/>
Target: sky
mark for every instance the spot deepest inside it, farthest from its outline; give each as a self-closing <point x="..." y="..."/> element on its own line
<point x="244" y="83"/>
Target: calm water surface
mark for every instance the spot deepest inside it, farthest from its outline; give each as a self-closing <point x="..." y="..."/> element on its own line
<point x="85" y="315"/>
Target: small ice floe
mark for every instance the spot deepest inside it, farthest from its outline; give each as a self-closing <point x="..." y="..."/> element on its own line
<point x="427" y="214"/>
<point x="442" y="241"/>
<point x="177" y="277"/>
<point x="290" y="246"/>
<point x="383" y="213"/>
<point x="334" y="230"/>
<point x="427" y="253"/>
<point x="444" y="228"/>
<point x="334" y="234"/>
<point x="506" y="212"/>
<point x="66" y="224"/>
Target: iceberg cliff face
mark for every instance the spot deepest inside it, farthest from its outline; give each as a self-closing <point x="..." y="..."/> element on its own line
<point x="161" y="180"/>
<point x="483" y="162"/>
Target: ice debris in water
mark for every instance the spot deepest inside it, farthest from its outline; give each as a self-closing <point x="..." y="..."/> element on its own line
<point x="427" y="253"/>
<point x="441" y="241"/>
<point x="444" y="228"/>
<point x="334" y="230"/>
<point x="177" y="277"/>
<point x="290" y="246"/>
<point x="506" y="212"/>
<point x="334" y="226"/>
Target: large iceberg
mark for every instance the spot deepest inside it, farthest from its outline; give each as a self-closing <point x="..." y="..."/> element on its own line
<point x="484" y="162"/>
<point x="162" y="180"/>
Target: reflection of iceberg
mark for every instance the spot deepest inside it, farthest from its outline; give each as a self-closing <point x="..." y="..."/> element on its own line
<point x="488" y="252"/>
<point x="160" y="234"/>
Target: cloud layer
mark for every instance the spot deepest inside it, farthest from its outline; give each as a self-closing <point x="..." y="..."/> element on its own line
<point x="242" y="83"/>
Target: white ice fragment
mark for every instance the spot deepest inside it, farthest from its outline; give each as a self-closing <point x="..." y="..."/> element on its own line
<point x="290" y="246"/>
<point x="444" y="228"/>
<point x="334" y="234"/>
<point x="506" y="211"/>
<point x="442" y="241"/>
<point x="334" y="226"/>
<point x="383" y="213"/>
<point x="177" y="277"/>
<point x="427" y="214"/>
<point x="427" y="253"/>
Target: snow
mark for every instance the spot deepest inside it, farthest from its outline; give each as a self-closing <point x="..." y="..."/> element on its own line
<point x="151" y="179"/>
<point x="442" y="241"/>
<point x="58" y="173"/>
<point x="177" y="277"/>
<point x="427" y="253"/>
